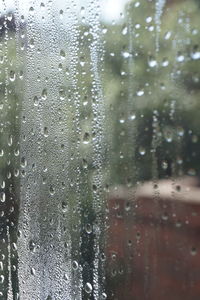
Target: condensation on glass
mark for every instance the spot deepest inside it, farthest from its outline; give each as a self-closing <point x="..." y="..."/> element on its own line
<point x="99" y="150"/>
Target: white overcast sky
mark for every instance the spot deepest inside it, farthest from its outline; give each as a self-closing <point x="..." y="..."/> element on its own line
<point x="111" y="8"/>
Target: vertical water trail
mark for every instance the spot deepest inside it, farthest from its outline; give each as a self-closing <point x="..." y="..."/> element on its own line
<point x="5" y="280"/>
<point x="8" y="141"/>
<point x="50" y="156"/>
<point x="44" y="263"/>
<point x="97" y="54"/>
<point x="159" y="7"/>
<point x="132" y="104"/>
<point x="31" y="188"/>
<point x="10" y="291"/>
<point x="160" y="4"/>
<point x="69" y="42"/>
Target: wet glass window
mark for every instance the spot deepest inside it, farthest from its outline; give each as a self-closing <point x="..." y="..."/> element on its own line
<point x="99" y="149"/>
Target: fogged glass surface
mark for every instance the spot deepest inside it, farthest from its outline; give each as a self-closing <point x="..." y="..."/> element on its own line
<point x="99" y="150"/>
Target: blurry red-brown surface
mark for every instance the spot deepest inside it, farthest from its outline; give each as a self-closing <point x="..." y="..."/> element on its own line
<point x="153" y="241"/>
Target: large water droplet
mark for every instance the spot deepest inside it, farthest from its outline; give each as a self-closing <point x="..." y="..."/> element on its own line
<point x="88" y="288"/>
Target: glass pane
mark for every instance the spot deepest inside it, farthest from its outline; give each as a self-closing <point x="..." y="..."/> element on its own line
<point x="99" y="149"/>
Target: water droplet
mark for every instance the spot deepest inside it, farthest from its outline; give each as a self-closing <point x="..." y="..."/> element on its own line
<point x="46" y="132"/>
<point x="75" y="265"/>
<point x="1" y="266"/>
<point x="2" y="197"/>
<point x="23" y="162"/>
<point x="151" y="28"/>
<point x="121" y="121"/>
<point x="137" y="4"/>
<point x="10" y="140"/>
<point x="165" y="62"/>
<point x="178" y="188"/>
<point x="167" y="35"/>
<point x="85" y="164"/>
<point x="1" y="59"/>
<point x="52" y="190"/>
<point x="82" y="61"/>
<point x="16" y="152"/>
<point x="61" y="13"/>
<point x="88" y="288"/>
<point x="94" y="187"/>
<point x="128" y="206"/>
<point x="44" y="94"/>
<point x="86" y="138"/>
<point x="31" y="9"/>
<point x="165" y="217"/>
<point x="195" y="53"/>
<point x="12" y="76"/>
<point x="164" y="165"/>
<point x="191" y="172"/>
<point x="179" y="160"/>
<point x="21" y="74"/>
<point x="152" y="62"/>
<point x="64" y="207"/>
<point x="133" y="117"/>
<point x="180" y="131"/>
<point x="193" y="251"/>
<point x="14" y="246"/>
<point x="1" y="152"/>
<point x="180" y="57"/>
<point x="32" y="271"/>
<point x="168" y="136"/>
<point x="82" y="10"/>
<point x="10" y="16"/>
<point x="62" y="54"/>
<point x="32" y="246"/>
<point x="124" y="30"/>
<point x="88" y="228"/>
<point x="194" y="138"/>
<point x="104" y="30"/>
<point x="148" y="19"/>
<point x="126" y="54"/>
<point x="36" y="101"/>
<point x="142" y="151"/>
<point x="140" y="93"/>
<point x="42" y="5"/>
